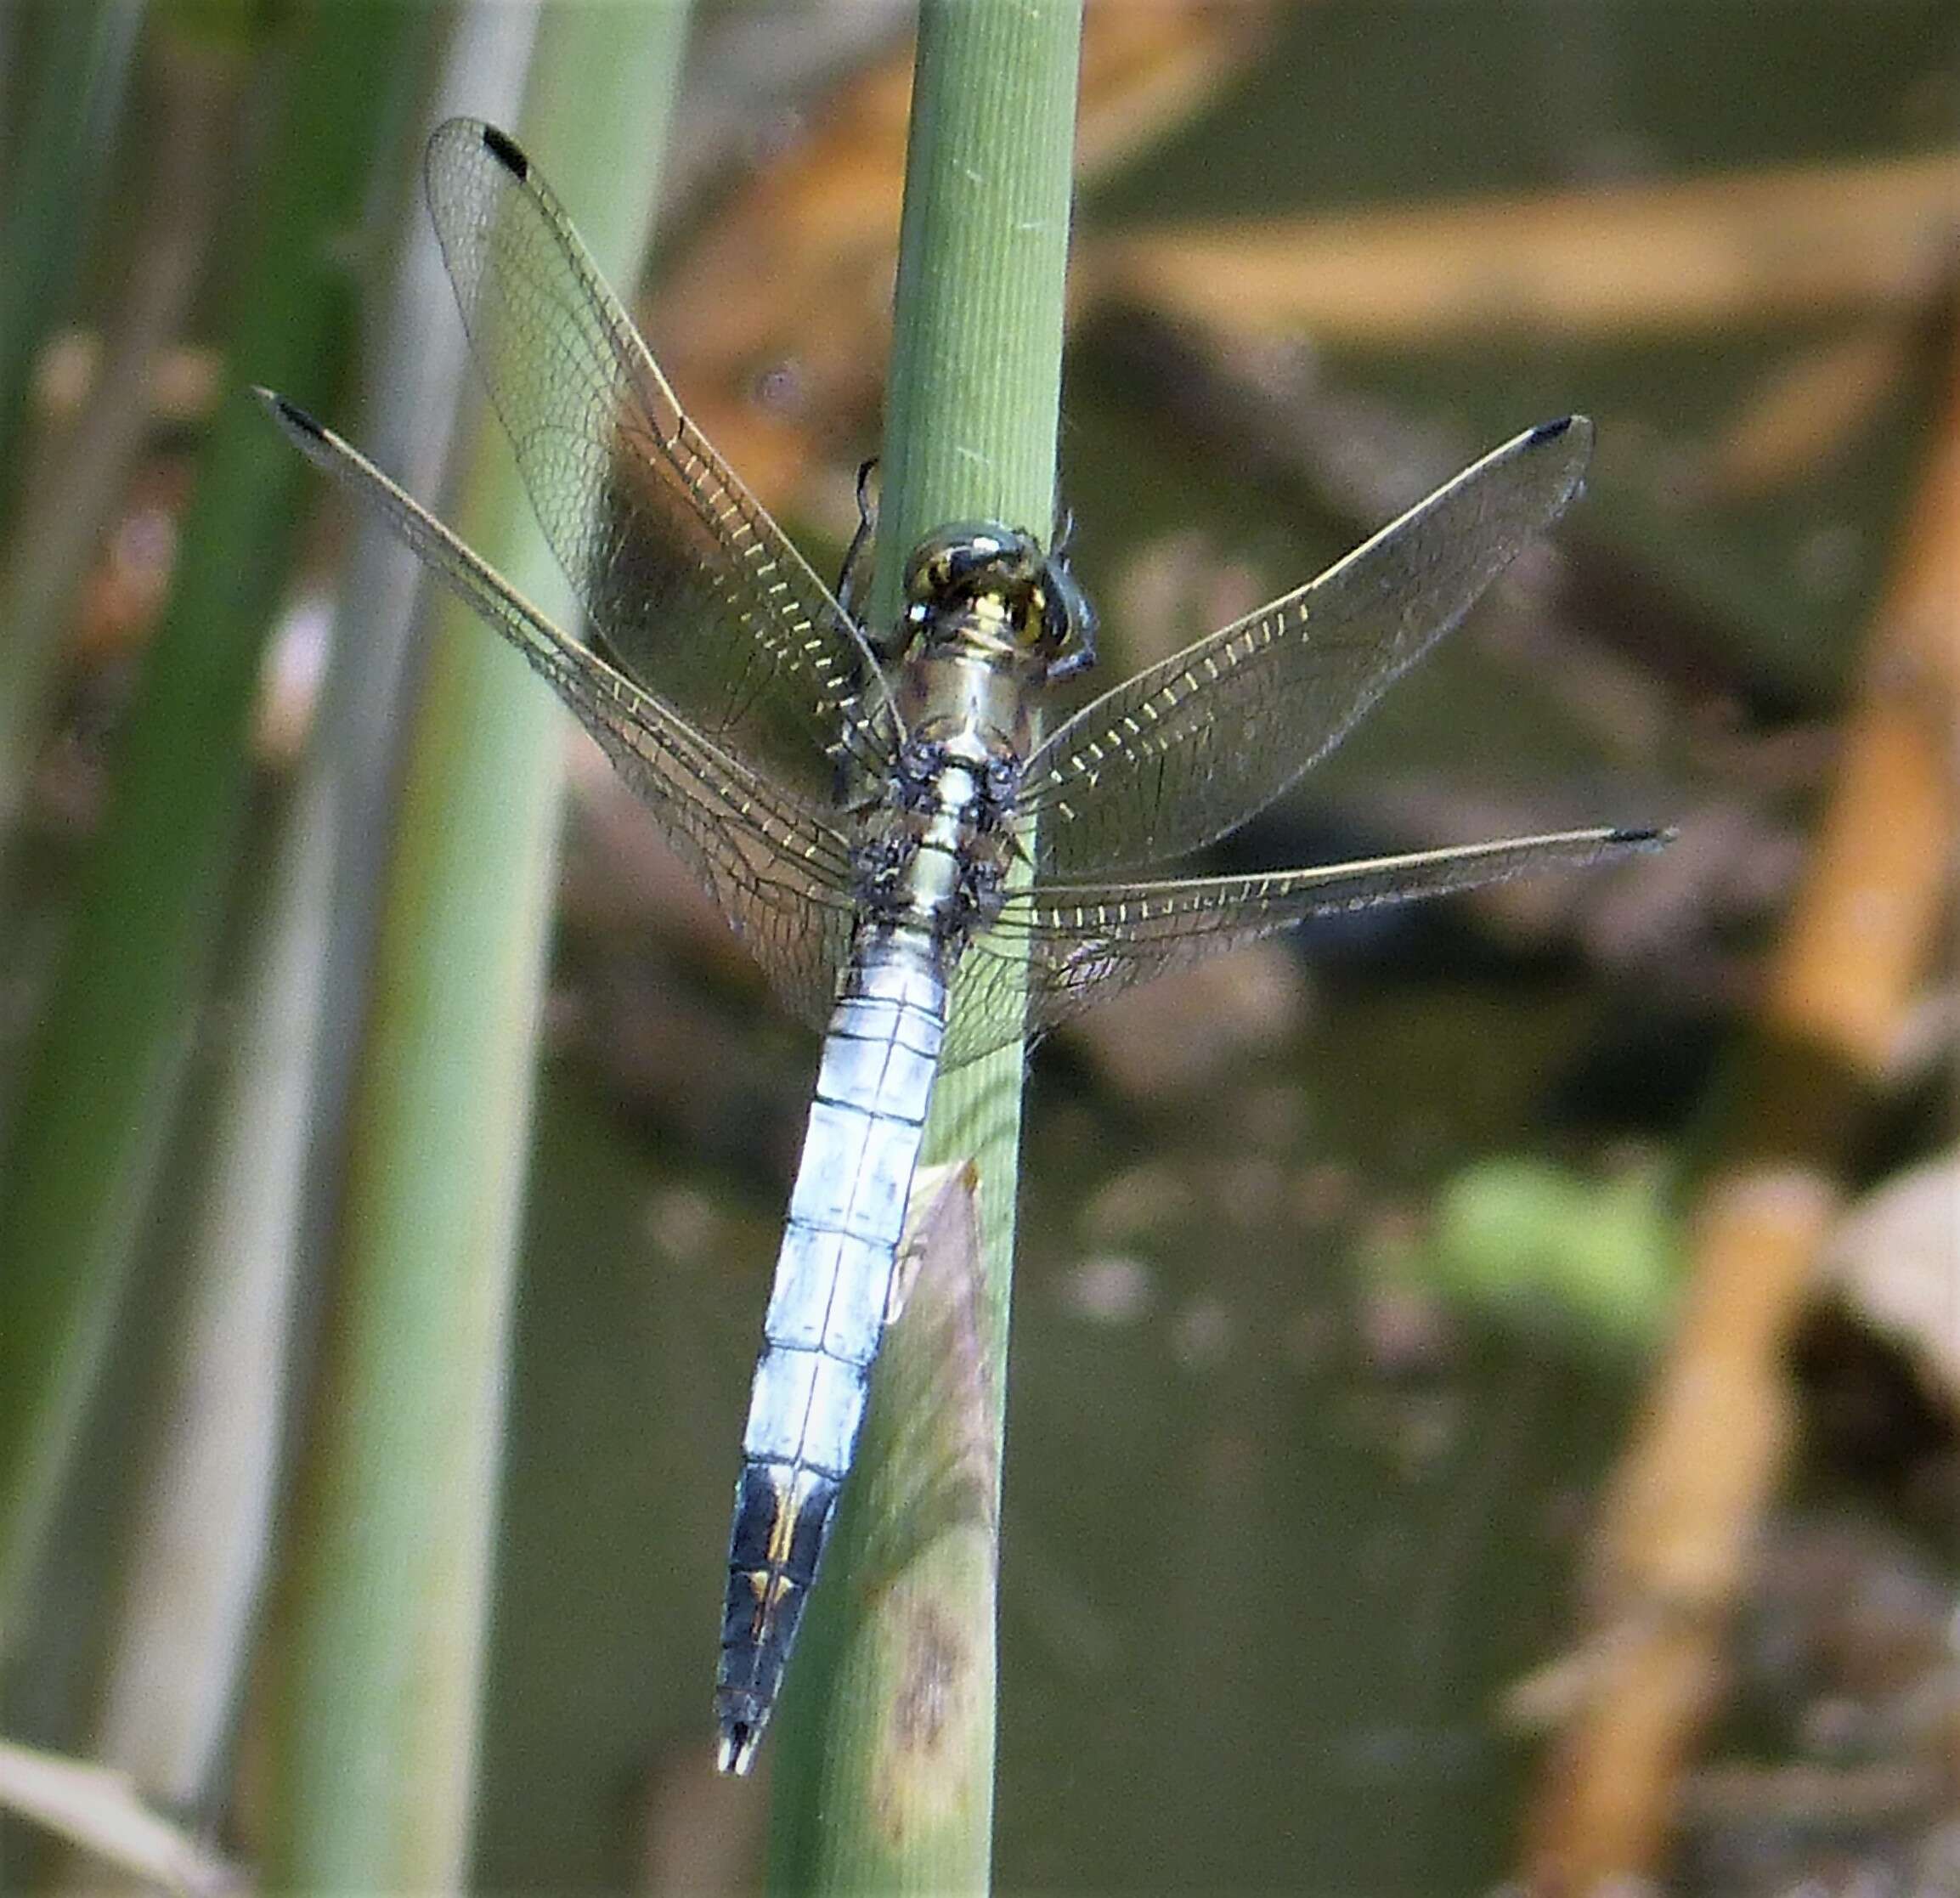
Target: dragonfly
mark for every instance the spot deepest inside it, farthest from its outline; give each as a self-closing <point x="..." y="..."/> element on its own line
<point x="873" y="811"/>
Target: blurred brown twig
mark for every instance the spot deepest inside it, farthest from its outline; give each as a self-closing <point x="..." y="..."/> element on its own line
<point x="796" y="272"/>
<point x="1637" y="259"/>
<point x="1684" y="1511"/>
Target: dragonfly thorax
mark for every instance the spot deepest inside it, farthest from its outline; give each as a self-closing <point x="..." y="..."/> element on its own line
<point x="934" y="859"/>
<point x="988" y="619"/>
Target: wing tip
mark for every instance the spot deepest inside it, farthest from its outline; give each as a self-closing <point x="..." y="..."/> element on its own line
<point x="507" y="152"/>
<point x="1580" y="427"/>
<point x="289" y="415"/>
<point x="1569" y="440"/>
<point x="1641" y="837"/>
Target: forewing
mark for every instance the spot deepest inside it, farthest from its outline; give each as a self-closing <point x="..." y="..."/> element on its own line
<point x="780" y="871"/>
<point x="1059" y="948"/>
<point x="1192" y="747"/>
<point x="689" y="583"/>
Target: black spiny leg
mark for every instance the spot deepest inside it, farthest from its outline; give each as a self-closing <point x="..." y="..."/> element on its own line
<point x="1079" y="660"/>
<point x="1080" y="654"/>
<point x="857" y="555"/>
<point x="852" y="791"/>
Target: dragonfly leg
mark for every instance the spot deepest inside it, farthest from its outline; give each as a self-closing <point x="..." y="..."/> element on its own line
<point x="1078" y="651"/>
<point x="1078" y="659"/>
<point x="857" y="555"/>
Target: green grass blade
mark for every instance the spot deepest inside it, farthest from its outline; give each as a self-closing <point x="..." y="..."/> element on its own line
<point x="82" y="56"/>
<point x="100" y="1090"/>
<point x="383" y="1644"/>
<point x="885" y="1743"/>
<point x="200" y="1547"/>
<point x="191" y="97"/>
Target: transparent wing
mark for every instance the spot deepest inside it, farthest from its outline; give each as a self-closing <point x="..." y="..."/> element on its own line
<point x="780" y="871"/>
<point x="1192" y="747"/>
<point x="1059" y="948"/>
<point x="690" y="586"/>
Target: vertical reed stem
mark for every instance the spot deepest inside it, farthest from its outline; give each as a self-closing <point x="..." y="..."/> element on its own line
<point x="886" y="1744"/>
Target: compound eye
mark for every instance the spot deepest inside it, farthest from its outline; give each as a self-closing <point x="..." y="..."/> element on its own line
<point x="944" y="564"/>
<point x="922" y="572"/>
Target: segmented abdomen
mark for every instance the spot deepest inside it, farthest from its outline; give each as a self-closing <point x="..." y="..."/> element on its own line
<point x="827" y="1311"/>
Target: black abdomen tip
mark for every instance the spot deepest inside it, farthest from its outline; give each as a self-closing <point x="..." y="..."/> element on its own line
<point x="737" y="1752"/>
<point x="507" y="152"/>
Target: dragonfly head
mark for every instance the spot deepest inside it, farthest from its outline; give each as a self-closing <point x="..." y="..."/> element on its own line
<point x="995" y="583"/>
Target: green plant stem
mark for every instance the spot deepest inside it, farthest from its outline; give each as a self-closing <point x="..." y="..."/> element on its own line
<point x="73" y="98"/>
<point x="202" y="1544"/>
<point x="386" y="1602"/>
<point x="885" y="1764"/>
<point x="191" y="93"/>
<point x="97" y="1102"/>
